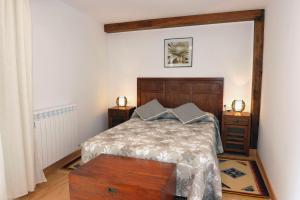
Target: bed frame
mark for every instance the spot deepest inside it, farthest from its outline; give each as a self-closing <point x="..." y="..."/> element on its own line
<point x="206" y="93"/>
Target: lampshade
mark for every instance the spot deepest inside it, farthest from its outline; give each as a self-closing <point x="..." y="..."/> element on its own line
<point x="121" y="101"/>
<point x="238" y="105"/>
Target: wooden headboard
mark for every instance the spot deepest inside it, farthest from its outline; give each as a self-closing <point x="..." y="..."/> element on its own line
<point x="206" y="93"/>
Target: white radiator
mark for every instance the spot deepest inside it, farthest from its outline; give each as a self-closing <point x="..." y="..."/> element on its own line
<point x="56" y="131"/>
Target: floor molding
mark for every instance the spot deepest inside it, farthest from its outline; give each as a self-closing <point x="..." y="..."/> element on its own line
<point x="252" y="155"/>
<point x="62" y="162"/>
<point x="265" y="177"/>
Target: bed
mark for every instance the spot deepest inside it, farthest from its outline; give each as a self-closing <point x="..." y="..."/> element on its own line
<point x="193" y="147"/>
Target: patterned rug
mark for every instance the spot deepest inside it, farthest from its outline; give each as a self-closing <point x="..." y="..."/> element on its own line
<point x="238" y="177"/>
<point x="242" y="177"/>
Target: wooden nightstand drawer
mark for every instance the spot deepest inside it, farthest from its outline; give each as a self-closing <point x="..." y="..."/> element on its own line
<point x="117" y="113"/>
<point x="241" y="121"/>
<point x="236" y="134"/>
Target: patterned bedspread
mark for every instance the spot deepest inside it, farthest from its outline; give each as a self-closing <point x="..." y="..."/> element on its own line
<point x="193" y="147"/>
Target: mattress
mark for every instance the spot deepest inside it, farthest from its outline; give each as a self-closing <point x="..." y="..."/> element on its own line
<point x="193" y="147"/>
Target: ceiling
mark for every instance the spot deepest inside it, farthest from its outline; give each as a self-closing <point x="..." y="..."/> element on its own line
<point x="111" y="11"/>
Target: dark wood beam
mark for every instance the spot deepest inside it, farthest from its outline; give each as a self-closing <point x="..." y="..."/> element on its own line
<point x="257" y="78"/>
<point x="192" y="20"/>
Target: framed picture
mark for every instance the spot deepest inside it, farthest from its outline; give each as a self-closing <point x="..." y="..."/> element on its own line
<point x="178" y="52"/>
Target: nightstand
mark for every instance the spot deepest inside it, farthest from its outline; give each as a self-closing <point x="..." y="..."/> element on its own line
<point x="236" y="132"/>
<point x="118" y="115"/>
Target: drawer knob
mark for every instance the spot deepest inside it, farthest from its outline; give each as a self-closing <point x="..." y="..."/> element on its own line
<point x="112" y="190"/>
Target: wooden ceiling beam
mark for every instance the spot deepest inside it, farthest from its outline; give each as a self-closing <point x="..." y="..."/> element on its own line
<point x="225" y="17"/>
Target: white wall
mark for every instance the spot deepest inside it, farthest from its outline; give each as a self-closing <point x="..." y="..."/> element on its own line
<point x="68" y="63"/>
<point x="279" y="140"/>
<point x="222" y="50"/>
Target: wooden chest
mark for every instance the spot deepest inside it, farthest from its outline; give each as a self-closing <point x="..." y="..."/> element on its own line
<point x="110" y="177"/>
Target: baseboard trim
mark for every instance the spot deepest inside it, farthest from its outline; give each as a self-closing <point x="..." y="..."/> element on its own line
<point x="265" y="177"/>
<point x="251" y="156"/>
<point x="62" y="162"/>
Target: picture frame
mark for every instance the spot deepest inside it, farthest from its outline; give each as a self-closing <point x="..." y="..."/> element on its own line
<point x="178" y="52"/>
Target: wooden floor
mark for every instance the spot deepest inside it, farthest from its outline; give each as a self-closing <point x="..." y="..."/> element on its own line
<point x="57" y="188"/>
